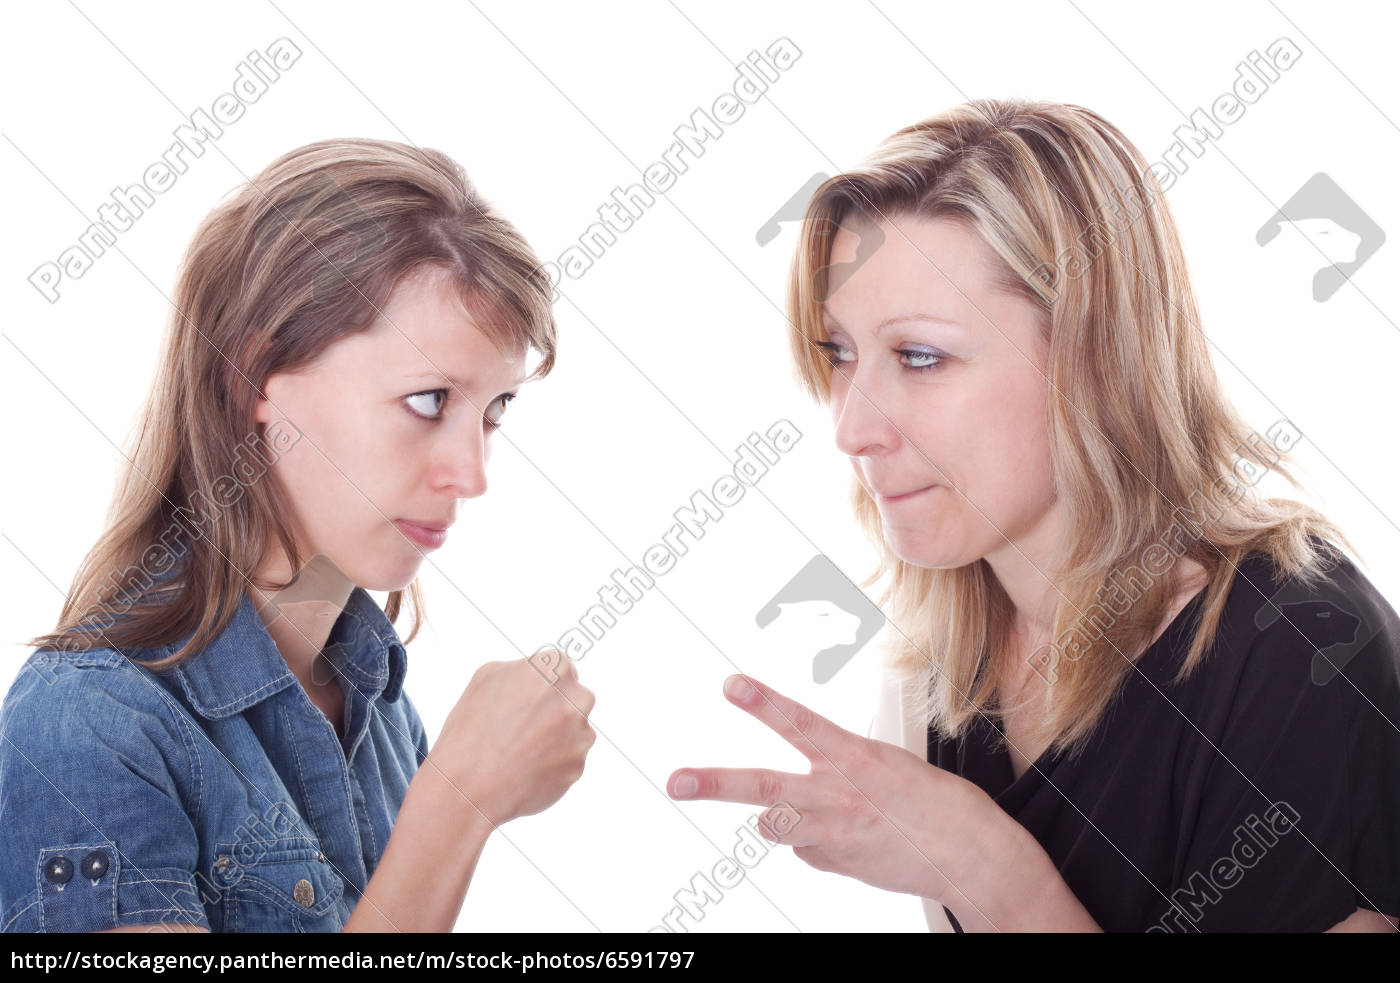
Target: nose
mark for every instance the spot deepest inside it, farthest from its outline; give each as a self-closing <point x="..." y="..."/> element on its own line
<point x="461" y="465"/>
<point x="863" y="425"/>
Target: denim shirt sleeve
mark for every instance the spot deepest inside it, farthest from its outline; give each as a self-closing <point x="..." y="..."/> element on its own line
<point x="98" y="777"/>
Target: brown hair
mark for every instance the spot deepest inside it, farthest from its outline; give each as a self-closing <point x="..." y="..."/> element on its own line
<point x="1141" y="433"/>
<point x="302" y="255"/>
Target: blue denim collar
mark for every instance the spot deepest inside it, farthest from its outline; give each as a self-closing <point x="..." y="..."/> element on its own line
<point x="374" y="657"/>
<point x="243" y="666"/>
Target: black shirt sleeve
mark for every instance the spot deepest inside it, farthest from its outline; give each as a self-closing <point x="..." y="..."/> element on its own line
<point x="1289" y="787"/>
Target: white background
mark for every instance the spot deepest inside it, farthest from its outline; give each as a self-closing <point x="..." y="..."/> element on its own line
<point x="672" y="345"/>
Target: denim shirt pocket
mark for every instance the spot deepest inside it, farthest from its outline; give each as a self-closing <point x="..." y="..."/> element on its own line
<point x="288" y="886"/>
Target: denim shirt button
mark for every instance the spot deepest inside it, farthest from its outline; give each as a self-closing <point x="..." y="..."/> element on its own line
<point x="320" y="856"/>
<point x="59" y="870"/>
<point x="304" y="893"/>
<point x="95" y="865"/>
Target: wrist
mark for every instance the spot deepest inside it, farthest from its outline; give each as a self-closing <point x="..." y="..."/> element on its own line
<point x="997" y="872"/>
<point x="446" y="795"/>
<point x="436" y="830"/>
<point x="1025" y="892"/>
<point x="1017" y="884"/>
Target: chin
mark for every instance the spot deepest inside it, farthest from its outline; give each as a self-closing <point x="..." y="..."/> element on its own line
<point x="921" y="551"/>
<point x="392" y="580"/>
<point x="376" y="575"/>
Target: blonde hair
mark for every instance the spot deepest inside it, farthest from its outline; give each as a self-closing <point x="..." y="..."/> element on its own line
<point x="1141" y="433"/>
<point x="304" y="254"/>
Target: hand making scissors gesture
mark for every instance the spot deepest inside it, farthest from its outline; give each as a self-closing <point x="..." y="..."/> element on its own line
<point x="871" y="810"/>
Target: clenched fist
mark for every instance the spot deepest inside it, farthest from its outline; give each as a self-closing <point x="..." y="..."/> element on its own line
<point x="516" y="741"/>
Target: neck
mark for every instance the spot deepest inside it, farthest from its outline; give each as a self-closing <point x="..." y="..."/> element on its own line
<point x="1028" y="571"/>
<point x="300" y="617"/>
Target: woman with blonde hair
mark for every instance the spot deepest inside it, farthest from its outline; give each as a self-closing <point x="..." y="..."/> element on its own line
<point x="216" y="736"/>
<point x="1130" y="693"/>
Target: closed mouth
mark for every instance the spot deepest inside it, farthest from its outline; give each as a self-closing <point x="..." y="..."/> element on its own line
<point x="903" y="495"/>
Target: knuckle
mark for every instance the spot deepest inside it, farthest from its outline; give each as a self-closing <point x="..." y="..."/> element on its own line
<point x="804" y="720"/>
<point x="770" y="787"/>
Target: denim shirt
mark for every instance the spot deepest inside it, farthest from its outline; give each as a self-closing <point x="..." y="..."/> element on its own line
<point x="215" y="794"/>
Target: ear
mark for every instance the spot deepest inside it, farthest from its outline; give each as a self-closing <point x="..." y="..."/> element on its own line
<point x="264" y="412"/>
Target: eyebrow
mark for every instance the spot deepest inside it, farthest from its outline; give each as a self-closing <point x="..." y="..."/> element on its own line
<point x="463" y="384"/>
<point x="898" y="319"/>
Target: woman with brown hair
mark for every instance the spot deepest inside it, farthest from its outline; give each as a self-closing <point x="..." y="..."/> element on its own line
<point x="215" y="736"/>
<point x="1130" y="692"/>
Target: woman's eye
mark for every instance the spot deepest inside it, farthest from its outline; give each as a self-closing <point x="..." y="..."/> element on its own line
<point x="427" y="396"/>
<point x="835" y="354"/>
<point x="497" y="409"/>
<point x="920" y="360"/>
<point x="912" y="359"/>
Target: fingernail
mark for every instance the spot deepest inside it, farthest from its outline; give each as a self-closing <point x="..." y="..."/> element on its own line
<point x="738" y="688"/>
<point x="685" y="785"/>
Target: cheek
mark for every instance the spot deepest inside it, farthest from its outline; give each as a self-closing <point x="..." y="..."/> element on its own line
<point x="948" y="426"/>
<point x="1014" y="451"/>
<point x="836" y="396"/>
<point x="318" y="491"/>
<point x="339" y="468"/>
<point x="986" y="436"/>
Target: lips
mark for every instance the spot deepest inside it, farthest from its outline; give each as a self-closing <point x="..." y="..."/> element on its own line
<point x="903" y="496"/>
<point x="429" y="535"/>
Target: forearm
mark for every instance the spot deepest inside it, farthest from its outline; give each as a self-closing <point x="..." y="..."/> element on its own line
<point x="427" y="865"/>
<point x="1019" y="890"/>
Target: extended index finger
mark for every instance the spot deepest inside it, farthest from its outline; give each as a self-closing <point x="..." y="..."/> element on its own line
<point x="808" y="731"/>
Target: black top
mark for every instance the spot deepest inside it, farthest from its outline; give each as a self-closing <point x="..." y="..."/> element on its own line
<point x="1262" y="794"/>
